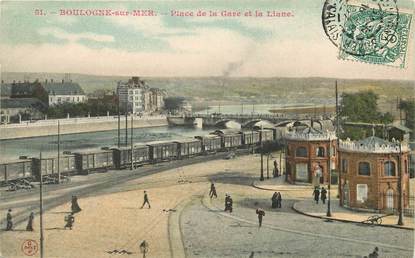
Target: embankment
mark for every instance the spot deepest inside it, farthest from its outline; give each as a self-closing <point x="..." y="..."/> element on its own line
<point x="75" y="125"/>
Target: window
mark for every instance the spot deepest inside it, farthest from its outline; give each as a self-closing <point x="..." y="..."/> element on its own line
<point x="361" y="192"/>
<point x="389" y="168"/>
<point x="320" y="151"/>
<point x="301" y="152"/>
<point x="345" y="165"/>
<point x="77" y="99"/>
<point x="364" y="169"/>
<point x="130" y="92"/>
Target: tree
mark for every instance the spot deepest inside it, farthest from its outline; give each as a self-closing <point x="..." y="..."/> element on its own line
<point x="361" y="107"/>
<point x="408" y="106"/>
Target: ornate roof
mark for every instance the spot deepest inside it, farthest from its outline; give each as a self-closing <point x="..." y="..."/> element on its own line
<point x="373" y="144"/>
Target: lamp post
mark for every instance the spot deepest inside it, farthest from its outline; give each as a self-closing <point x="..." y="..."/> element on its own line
<point x="400" y="219"/>
<point x="132" y="143"/>
<point x="329" y="170"/>
<point x="261" y="178"/>
<point x="41" y="204"/>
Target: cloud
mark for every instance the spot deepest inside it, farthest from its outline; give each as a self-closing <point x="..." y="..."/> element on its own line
<point x="74" y="37"/>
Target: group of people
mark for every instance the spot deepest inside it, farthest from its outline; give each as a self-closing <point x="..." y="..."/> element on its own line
<point x="70" y="219"/>
<point x="276" y="200"/>
<point x="320" y="194"/>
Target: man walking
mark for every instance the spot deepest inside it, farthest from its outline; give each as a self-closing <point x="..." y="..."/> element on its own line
<point x="29" y="226"/>
<point x="213" y="191"/>
<point x="276" y="171"/>
<point x="323" y="195"/>
<point x="9" y="219"/>
<point x="228" y="203"/>
<point x="146" y="201"/>
<point x="261" y="213"/>
<point x="316" y="194"/>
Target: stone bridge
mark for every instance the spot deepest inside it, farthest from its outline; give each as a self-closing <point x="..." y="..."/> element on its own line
<point x="210" y="120"/>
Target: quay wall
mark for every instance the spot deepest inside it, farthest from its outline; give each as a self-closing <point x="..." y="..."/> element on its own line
<point x="27" y="129"/>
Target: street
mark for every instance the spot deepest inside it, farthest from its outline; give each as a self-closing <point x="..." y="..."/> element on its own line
<point x="184" y="221"/>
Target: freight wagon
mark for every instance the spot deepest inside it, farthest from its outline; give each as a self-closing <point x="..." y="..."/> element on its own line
<point x="48" y="165"/>
<point x="122" y="156"/>
<point x="210" y="143"/>
<point x="93" y="160"/>
<point x="162" y="150"/>
<point x="189" y="147"/>
<point x="16" y="169"/>
<point x="231" y="139"/>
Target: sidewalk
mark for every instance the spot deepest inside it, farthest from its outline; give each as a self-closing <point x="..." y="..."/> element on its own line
<point x="310" y="208"/>
<point x="279" y="184"/>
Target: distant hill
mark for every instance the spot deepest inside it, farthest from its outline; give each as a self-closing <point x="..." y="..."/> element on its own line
<point x="247" y="90"/>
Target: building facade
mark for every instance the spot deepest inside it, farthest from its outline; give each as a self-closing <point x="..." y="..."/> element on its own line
<point x="64" y="92"/>
<point x="137" y="97"/>
<point x="370" y="174"/>
<point x="310" y="154"/>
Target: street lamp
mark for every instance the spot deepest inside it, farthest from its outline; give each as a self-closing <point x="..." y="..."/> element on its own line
<point x="262" y="155"/>
<point x="144" y="248"/>
<point x="329" y="170"/>
<point x="400" y="219"/>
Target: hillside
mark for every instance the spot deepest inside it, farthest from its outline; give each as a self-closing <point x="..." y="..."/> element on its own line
<point x="247" y="90"/>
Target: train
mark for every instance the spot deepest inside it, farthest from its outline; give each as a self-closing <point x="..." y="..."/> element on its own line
<point x="84" y="162"/>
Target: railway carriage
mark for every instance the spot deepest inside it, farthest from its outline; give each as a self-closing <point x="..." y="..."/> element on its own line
<point x="189" y="147"/>
<point x="210" y="143"/>
<point x="250" y="138"/>
<point x="93" y="160"/>
<point x="266" y="135"/>
<point x="122" y="156"/>
<point x="162" y="150"/>
<point x="231" y="139"/>
<point x="48" y="165"/>
<point x="16" y="169"/>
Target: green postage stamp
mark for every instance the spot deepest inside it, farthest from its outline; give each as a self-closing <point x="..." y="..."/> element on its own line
<point x="375" y="36"/>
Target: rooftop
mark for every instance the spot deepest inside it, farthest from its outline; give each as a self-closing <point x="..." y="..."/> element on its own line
<point x="373" y="144"/>
<point x="63" y="88"/>
<point x="21" y="103"/>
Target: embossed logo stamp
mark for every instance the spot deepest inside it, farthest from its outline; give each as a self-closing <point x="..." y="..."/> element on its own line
<point x="30" y="247"/>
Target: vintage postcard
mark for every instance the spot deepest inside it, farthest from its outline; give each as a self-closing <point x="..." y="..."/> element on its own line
<point x="207" y="128"/>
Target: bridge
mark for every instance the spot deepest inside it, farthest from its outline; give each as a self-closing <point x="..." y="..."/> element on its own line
<point x="210" y="120"/>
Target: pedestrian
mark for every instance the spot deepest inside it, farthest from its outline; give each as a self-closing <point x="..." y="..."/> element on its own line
<point x="29" y="226"/>
<point x="213" y="191"/>
<point x="274" y="200"/>
<point x="323" y="195"/>
<point x="146" y="200"/>
<point x="375" y="253"/>
<point x="261" y="213"/>
<point x="316" y="194"/>
<point x="70" y="220"/>
<point x="228" y="203"/>
<point x="75" y="206"/>
<point x="279" y="200"/>
<point x="9" y="219"/>
<point x="276" y="171"/>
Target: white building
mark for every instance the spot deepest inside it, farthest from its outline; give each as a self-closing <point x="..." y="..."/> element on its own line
<point x="138" y="97"/>
<point x="64" y="92"/>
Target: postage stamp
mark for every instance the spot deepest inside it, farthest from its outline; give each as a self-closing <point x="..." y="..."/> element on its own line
<point x="373" y="32"/>
<point x="375" y="36"/>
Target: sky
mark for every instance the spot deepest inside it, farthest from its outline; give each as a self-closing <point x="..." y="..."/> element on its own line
<point x="166" y="45"/>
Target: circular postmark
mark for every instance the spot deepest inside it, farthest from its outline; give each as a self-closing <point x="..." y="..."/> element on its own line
<point x="361" y="27"/>
<point x="30" y="247"/>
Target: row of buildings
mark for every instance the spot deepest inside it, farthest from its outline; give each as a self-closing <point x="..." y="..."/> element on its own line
<point x="369" y="172"/>
<point x="33" y="98"/>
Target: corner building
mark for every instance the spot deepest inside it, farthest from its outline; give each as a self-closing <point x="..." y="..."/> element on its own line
<point x="370" y="171"/>
<point x="308" y="156"/>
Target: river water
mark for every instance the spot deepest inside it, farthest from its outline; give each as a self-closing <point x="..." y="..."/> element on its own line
<point x="12" y="149"/>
